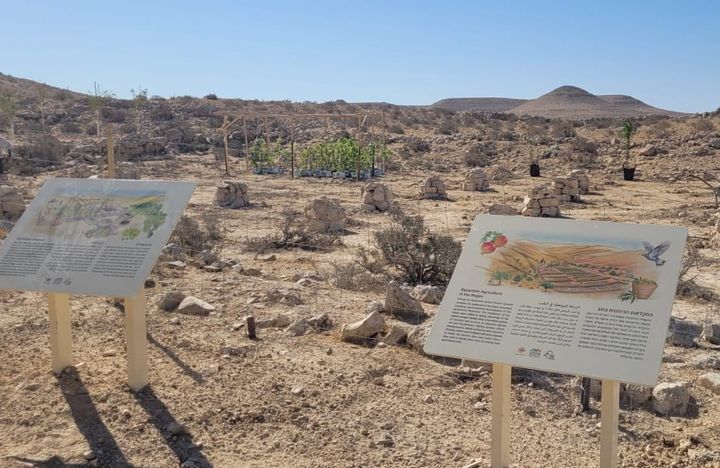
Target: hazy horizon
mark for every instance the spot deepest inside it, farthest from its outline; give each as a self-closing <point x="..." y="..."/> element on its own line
<point x="407" y="53"/>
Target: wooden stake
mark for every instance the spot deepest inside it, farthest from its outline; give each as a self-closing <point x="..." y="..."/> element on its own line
<point x="292" y="148"/>
<point x="225" y="140"/>
<point x="500" y="426"/>
<point x="250" y="327"/>
<point x="110" y="152"/>
<point x="247" y="146"/>
<point x="609" y="423"/>
<point x="60" y="331"/>
<point x="136" y="335"/>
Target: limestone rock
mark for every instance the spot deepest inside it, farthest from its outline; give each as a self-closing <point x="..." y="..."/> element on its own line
<point x="671" y="398"/>
<point x="711" y="381"/>
<point x="395" y="336"/>
<point x="232" y="195"/>
<point x="501" y="209"/>
<point x="401" y="304"/>
<point x="171" y="301"/>
<point x="707" y="361"/>
<point x="632" y="395"/>
<point x="376" y="197"/>
<point x="368" y="327"/>
<point x="683" y="332"/>
<point x="475" y="180"/>
<point x="428" y="294"/>
<point x="712" y="333"/>
<point x="648" y="150"/>
<point x="325" y="215"/>
<point x="194" y="306"/>
<point x="298" y="328"/>
<point x="12" y="204"/>
<point x="417" y="336"/>
<point x="541" y="201"/>
<point x="320" y="322"/>
<point x="433" y="187"/>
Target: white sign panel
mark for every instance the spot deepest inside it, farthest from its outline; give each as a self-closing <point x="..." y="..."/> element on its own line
<point x="98" y="237"/>
<point x="575" y="297"/>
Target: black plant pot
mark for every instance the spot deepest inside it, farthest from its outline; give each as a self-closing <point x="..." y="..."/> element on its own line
<point x="628" y="173"/>
<point x="534" y="170"/>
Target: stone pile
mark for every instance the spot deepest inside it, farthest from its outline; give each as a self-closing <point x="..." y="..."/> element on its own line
<point x="11" y="202"/>
<point x="325" y="215"/>
<point x="475" y="181"/>
<point x="376" y="197"/>
<point x="541" y="201"/>
<point x="583" y="181"/>
<point x="566" y="188"/>
<point x="433" y="187"/>
<point x="232" y="195"/>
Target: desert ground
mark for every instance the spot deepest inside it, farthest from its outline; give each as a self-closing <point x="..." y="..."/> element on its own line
<point x="301" y="394"/>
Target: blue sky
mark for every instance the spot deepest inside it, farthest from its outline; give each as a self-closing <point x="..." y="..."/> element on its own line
<point x="666" y="53"/>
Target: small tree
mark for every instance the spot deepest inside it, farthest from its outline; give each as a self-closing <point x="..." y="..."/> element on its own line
<point x="627" y="131"/>
<point x="140" y="99"/>
<point x="96" y="101"/>
<point x="9" y="107"/>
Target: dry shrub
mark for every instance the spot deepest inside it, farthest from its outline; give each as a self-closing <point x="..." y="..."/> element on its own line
<point x="480" y="154"/>
<point x="408" y="252"/>
<point x="293" y="232"/>
<point x="702" y="125"/>
<point x="354" y="277"/>
<point x="687" y="287"/>
<point x="582" y="145"/>
<point x="192" y="237"/>
<point x="448" y="126"/>
<point x="562" y="129"/>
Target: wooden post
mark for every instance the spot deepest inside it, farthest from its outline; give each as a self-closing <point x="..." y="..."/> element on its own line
<point x="136" y="335"/>
<point x="500" y="425"/>
<point x="225" y="141"/>
<point x="247" y="146"/>
<point x="250" y="327"/>
<point x="60" y="331"/>
<point x="110" y="152"/>
<point x="292" y="148"/>
<point x="609" y="423"/>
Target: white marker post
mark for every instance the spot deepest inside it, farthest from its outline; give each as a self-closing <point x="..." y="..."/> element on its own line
<point x="609" y="423"/>
<point x="60" y="331"/>
<point x="500" y="426"/>
<point x="136" y="335"/>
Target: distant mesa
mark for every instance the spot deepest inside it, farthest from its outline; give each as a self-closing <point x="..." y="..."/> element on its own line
<point x="562" y="102"/>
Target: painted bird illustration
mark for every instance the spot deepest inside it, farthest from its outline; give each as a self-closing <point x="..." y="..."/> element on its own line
<point x="653" y="253"/>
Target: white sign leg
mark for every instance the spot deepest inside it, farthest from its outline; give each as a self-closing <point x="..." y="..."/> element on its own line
<point x="60" y="334"/>
<point x="500" y="431"/>
<point x="609" y="423"/>
<point x="136" y="334"/>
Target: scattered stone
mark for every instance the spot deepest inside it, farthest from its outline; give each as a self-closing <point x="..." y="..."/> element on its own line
<point x="583" y="181"/>
<point x="266" y="258"/>
<point x="109" y="353"/>
<point x="298" y="328"/>
<point x="175" y="320"/>
<point x="171" y="301"/>
<point x="707" y="361"/>
<point x="325" y="215"/>
<point x="297" y="390"/>
<point x="194" y="306"/>
<point x="433" y="187"/>
<point x="283" y="296"/>
<point x="671" y="398"/>
<point x="714" y="143"/>
<point x="89" y="455"/>
<point x="254" y="272"/>
<point x="648" y="150"/>
<point x="711" y="381"/>
<point x="177" y="264"/>
<point x="175" y="428"/>
<point x="683" y="332"/>
<point x="232" y="195"/>
<point x="428" y="294"/>
<point x="320" y="322"/>
<point x="501" y="209"/>
<point x="374" y="306"/>
<point x="281" y="321"/>
<point x="395" y="336"/>
<point x="475" y="181"/>
<point x="417" y="336"/>
<point x="712" y="333"/>
<point x="386" y="441"/>
<point x="428" y="399"/>
<point x="375" y="197"/>
<point x="634" y="396"/>
<point x="401" y="304"/>
<point x="541" y="201"/>
<point x="368" y="327"/>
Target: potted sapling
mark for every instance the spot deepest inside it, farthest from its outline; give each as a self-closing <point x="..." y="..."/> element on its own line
<point x="627" y="131"/>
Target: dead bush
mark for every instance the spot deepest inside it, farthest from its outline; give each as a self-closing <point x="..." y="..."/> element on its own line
<point x="293" y="232"/>
<point x="480" y="154"/>
<point x="408" y="252"/>
<point x="448" y="126"/>
<point x="581" y="145"/>
<point x="562" y="129"/>
<point x="354" y="277"/>
<point x="687" y="287"/>
<point x="193" y="237"/>
<point x="702" y="125"/>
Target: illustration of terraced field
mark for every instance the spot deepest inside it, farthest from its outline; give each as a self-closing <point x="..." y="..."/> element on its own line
<point x="567" y="268"/>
